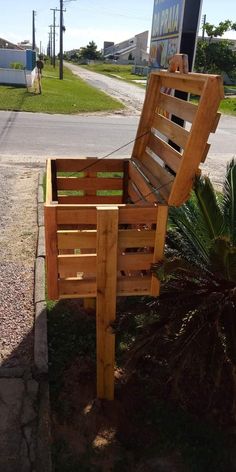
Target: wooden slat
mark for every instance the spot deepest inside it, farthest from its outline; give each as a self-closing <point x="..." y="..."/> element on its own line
<point x="72" y="215"/>
<point x="125" y="179"/>
<point x="204" y="155"/>
<point x="141" y="183"/>
<point x="89" y="183"/>
<point x="76" y="239"/>
<point x="51" y="251"/>
<point x="160" y="238"/>
<point x="164" y="178"/>
<point x="77" y="263"/>
<point x="135" y="261"/>
<point x="89" y="163"/>
<point x="128" y="286"/>
<point x="136" y="238"/>
<point x="177" y="107"/>
<point x="74" y="288"/>
<point x="183" y="82"/>
<point x="139" y="215"/>
<point x="145" y="123"/>
<point x="216" y="122"/>
<point x="171" y="130"/>
<point x="195" y="149"/>
<point x="107" y="225"/>
<point x="170" y="156"/>
<point x="135" y="196"/>
<point x="128" y="214"/>
<point x="90" y="199"/>
<point x="54" y="179"/>
<point x="49" y="183"/>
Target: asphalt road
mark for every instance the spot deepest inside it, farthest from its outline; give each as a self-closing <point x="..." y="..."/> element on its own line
<point x="34" y="137"/>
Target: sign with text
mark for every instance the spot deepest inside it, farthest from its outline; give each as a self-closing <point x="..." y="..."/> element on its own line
<point x="166" y="31"/>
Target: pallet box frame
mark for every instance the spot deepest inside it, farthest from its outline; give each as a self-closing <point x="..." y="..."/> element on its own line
<point x="105" y="219"/>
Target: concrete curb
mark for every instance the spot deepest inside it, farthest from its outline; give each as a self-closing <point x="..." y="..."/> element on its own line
<point x="43" y="452"/>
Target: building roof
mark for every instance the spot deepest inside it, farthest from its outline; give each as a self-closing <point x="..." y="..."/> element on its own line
<point x="5" y="44"/>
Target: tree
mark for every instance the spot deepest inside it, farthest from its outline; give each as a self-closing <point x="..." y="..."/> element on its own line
<point x="216" y="56"/>
<point x="193" y="335"/>
<point x="90" y="52"/>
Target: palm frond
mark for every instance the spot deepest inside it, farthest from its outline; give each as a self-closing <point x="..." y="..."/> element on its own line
<point x="229" y="200"/>
<point x="211" y="216"/>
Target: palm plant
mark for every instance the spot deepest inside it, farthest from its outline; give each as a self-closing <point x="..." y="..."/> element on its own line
<point x="194" y="331"/>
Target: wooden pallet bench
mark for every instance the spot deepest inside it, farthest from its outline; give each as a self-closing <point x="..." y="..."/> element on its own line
<point x="105" y="219"/>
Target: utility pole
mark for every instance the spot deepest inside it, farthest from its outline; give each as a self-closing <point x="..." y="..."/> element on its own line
<point x="54" y="36"/>
<point x="61" y="41"/>
<point x="33" y="29"/>
<point x="50" y="42"/>
<point x="203" y="26"/>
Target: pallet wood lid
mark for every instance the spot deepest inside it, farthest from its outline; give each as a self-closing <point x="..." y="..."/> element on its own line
<point x="167" y="153"/>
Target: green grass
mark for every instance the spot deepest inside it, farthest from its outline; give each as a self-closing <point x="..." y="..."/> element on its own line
<point x="122" y="72"/>
<point x="71" y="95"/>
<point x="227" y="105"/>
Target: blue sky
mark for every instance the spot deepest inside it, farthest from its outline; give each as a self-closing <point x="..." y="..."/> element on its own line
<point x="96" y="20"/>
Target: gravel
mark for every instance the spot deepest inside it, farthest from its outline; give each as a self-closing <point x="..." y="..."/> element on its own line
<point x="18" y="225"/>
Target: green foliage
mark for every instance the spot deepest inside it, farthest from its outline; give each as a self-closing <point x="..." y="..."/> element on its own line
<point x="215" y="57"/>
<point x="17" y="65"/>
<point x="90" y="52"/>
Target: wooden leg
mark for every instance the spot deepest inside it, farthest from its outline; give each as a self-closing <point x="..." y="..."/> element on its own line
<point x="107" y="239"/>
<point x="162" y="215"/>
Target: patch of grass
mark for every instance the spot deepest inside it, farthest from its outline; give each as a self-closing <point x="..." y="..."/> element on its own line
<point x="122" y="72"/>
<point x="71" y="95"/>
<point x="227" y="105"/>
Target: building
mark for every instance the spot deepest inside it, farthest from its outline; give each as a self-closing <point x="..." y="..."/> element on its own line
<point x="5" y="44"/>
<point x="132" y="49"/>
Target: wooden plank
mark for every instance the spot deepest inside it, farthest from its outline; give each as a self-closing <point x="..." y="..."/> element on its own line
<point x="141" y="183"/>
<point x="216" y="122"/>
<point x="195" y="149"/>
<point x="90" y="199"/>
<point x="51" y="251"/>
<point x="165" y="152"/>
<point x="128" y="286"/>
<point x="136" y="238"/>
<point x="134" y="194"/>
<point x="183" y="82"/>
<point x="128" y="214"/>
<point x="49" y="198"/>
<point x="204" y="156"/>
<point x="54" y="179"/>
<point x="175" y="106"/>
<point x="85" y="163"/>
<point x="125" y="180"/>
<point x="139" y="215"/>
<point x="89" y="183"/>
<point x="75" y="288"/>
<point x="171" y="130"/>
<point x="107" y="227"/>
<point x="77" y="263"/>
<point x="135" y="261"/>
<point x="76" y="239"/>
<point x="74" y="216"/>
<point x="160" y="238"/>
<point x="164" y="178"/>
<point x="146" y="119"/>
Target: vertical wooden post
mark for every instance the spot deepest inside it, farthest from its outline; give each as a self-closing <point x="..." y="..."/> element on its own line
<point x="50" y="219"/>
<point x="162" y="215"/>
<point x="107" y="244"/>
<point x="89" y="303"/>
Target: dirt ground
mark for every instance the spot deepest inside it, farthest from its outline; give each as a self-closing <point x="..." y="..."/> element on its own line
<point x="18" y="225"/>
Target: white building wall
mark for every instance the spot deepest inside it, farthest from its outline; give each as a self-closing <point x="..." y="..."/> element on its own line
<point x="7" y="56"/>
